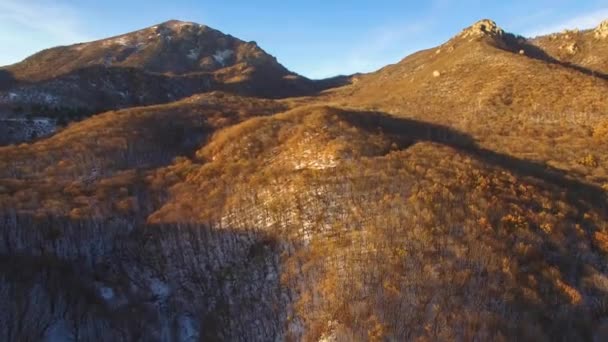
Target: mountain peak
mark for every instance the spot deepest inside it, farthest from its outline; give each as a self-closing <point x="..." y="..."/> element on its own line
<point x="177" y="24"/>
<point x="482" y="28"/>
<point x="601" y="31"/>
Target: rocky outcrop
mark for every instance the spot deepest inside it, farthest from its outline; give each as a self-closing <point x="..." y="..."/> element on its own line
<point x="601" y="32"/>
<point x="488" y="31"/>
<point x="482" y="28"/>
<point x="571" y="48"/>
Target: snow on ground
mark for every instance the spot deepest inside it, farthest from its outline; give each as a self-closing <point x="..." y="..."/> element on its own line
<point x="22" y="129"/>
<point x="122" y="41"/>
<point x="80" y="47"/>
<point x="221" y="56"/>
<point x="307" y="159"/>
<point x="28" y="95"/>
<point x="106" y="293"/>
<point x="159" y="288"/>
<point x="193" y="54"/>
<point x="316" y="164"/>
<point x="59" y="331"/>
<point x="188" y="329"/>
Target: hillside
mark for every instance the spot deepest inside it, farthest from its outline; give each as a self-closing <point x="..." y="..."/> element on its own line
<point x="159" y="64"/>
<point x="174" y="47"/>
<point x="507" y="94"/>
<point x="483" y="69"/>
<point x="459" y="194"/>
<point x="583" y="48"/>
<point x="64" y="173"/>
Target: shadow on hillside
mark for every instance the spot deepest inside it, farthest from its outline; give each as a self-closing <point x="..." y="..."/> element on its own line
<point x="267" y="83"/>
<point x="572" y="256"/>
<point x="533" y="51"/>
<point x="411" y="131"/>
<point x="333" y="82"/>
<point x="136" y="86"/>
<point x="53" y="270"/>
<point x="7" y="80"/>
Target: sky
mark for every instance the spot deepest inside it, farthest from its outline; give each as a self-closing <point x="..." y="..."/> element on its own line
<point x="315" y="38"/>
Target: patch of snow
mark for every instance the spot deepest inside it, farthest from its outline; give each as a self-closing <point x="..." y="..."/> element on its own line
<point x="271" y="275"/>
<point x="49" y="99"/>
<point x="159" y="288"/>
<point x="42" y="121"/>
<point x="309" y="160"/>
<point x="140" y="46"/>
<point x="79" y="47"/>
<point x="29" y="96"/>
<point x="221" y="56"/>
<point x="193" y="54"/>
<point x="188" y="329"/>
<point x="58" y="332"/>
<point x="121" y="41"/>
<point x="124" y="41"/>
<point x="106" y="293"/>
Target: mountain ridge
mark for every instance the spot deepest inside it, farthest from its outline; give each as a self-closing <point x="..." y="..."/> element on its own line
<point x="158" y="64"/>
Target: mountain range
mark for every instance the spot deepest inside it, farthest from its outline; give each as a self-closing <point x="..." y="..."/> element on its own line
<point x="177" y="183"/>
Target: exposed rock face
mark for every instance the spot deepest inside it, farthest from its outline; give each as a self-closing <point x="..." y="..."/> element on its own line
<point x="601" y="31"/>
<point x="571" y="48"/>
<point x="482" y="28"/>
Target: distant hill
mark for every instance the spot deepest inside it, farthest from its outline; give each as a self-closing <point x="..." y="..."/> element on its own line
<point x="159" y="64"/>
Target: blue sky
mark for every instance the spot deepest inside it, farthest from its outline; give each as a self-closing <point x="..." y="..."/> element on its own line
<point x="316" y="38"/>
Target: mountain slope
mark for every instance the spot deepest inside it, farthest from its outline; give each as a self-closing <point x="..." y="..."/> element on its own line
<point x="98" y="152"/>
<point x="587" y="48"/>
<point x="509" y="95"/>
<point x="391" y="218"/>
<point x="173" y="47"/>
<point x="483" y="68"/>
<point x="345" y="223"/>
<point x="155" y="65"/>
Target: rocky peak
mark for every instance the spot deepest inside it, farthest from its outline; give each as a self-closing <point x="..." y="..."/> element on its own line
<point x="482" y="28"/>
<point x="176" y="25"/>
<point x="602" y="30"/>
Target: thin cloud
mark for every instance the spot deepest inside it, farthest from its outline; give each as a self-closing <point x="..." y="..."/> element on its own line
<point x="585" y="21"/>
<point x="54" y="19"/>
<point x="29" y="26"/>
<point x="381" y="46"/>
